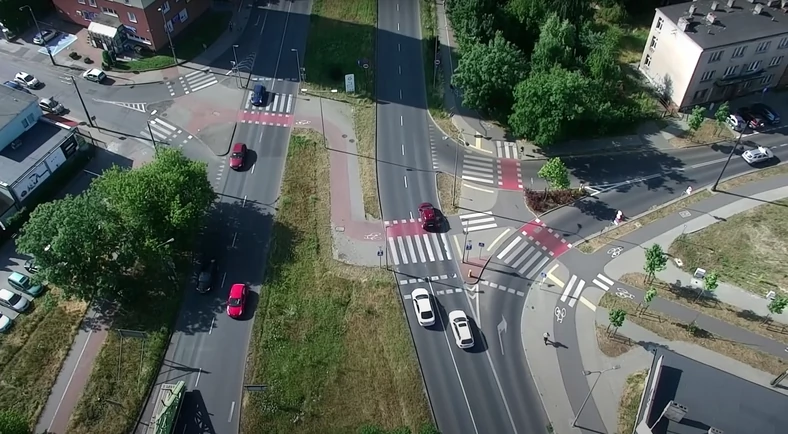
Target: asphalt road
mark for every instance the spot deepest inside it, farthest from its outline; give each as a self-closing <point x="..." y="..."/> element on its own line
<point x="208" y="349"/>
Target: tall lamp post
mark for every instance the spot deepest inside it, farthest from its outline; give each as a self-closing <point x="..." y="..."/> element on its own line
<point x="235" y="66"/>
<point x="169" y="38"/>
<point x="730" y="155"/>
<point x="38" y="29"/>
<point x="155" y="149"/>
<point x="84" y="107"/>
<point x="587" y="373"/>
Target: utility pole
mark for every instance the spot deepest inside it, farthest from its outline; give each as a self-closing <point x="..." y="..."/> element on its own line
<point x="730" y="155"/>
<point x="169" y="37"/>
<point x="38" y="29"/>
<point x="84" y="107"/>
<point x="236" y="66"/>
<point x="152" y="138"/>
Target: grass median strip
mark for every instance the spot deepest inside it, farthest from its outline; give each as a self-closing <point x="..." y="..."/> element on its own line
<point x="33" y="350"/>
<point x="591" y="245"/>
<point x="731" y="314"/>
<point x="341" y="37"/>
<point x="630" y="401"/>
<point x="612" y="345"/>
<point x="329" y="339"/>
<point x="448" y="189"/>
<point x="674" y="330"/>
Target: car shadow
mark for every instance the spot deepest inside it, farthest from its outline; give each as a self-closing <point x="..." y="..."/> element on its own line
<point x="194" y="416"/>
<point x="479" y="338"/>
<point x="250" y="160"/>
<point x="441" y="316"/>
<point x="252" y="300"/>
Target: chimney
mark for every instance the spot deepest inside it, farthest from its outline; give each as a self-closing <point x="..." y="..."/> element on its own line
<point x="711" y="18"/>
<point x="757" y="9"/>
<point x="731" y="3"/>
<point x="683" y="24"/>
<point x="715" y="5"/>
<point x="692" y="9"/>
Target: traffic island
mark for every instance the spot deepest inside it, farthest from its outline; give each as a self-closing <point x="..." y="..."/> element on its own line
<point x="472" y="269"/>
<point x="542" y="201"/>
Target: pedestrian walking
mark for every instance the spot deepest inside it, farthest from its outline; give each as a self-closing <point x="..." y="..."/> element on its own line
<point x="546" y="337"/>
<point x="231" y="26"/>
<point x="688" y="191"/>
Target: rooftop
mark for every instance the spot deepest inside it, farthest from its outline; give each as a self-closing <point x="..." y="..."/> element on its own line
<point x="714" y="398"/>
<point x="733" y="25"/>
<point x="36" y="144"/>
<point x="13" y="102"/>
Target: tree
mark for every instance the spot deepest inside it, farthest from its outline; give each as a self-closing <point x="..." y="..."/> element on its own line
<point x="555" y="45"/>
<point x="548" y="103"/>
<point x="574" y="11"/>
<point x="721" y="115"/>
<point x="471" y="20"/>
<point x="709" y="283"/>
<point x="616" y="317"/>
<point x="12" y="422"/>
<point x="649" y="297"/>
<point x="696" y="118"/>
<point x="106" y="58"/>
<point x="487" y="73"/>
<point x="656" y="261"/>
<point x="602" y="62"/>
<point x="555" y="173"/>
<point x="776" y="306"/>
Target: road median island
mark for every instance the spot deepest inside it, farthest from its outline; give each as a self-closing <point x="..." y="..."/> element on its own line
<point x="329" y="339"/>
<point x="341" y="41"/>
<point x="33" y="350"/>
<point x="448" y="188"/>
<point x="612" y="345"/>
<point x="601" y="239"/>
<point x="673" y="329"/>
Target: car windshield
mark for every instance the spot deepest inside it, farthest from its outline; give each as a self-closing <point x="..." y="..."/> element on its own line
<point x="234" y="302"/>
<point x="24" y="281"/>
<point x="27" y="77"/>
<point x="205" y="276"/>
<point x="238" y="154"/>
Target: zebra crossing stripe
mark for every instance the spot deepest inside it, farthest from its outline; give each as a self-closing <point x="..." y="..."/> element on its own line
<point x="411" y="249"/>
<point x="428" y="246"/>
<point x="604" y="278"/>
<point x="568" y="288"/>
<point x="509" y="247"/>
<point x="446" y="246"/>
<point x="524" y="256"/>
<point x="438" y="250"/>
<point x="402" y="249"/>
<point x="538" y="267"/>
<point x="393" y="248"/>
<point x="576" y="295"/>
<point x="421" y="251"/>
<point x="530" y="261"/>
<point x="516" y="252"/>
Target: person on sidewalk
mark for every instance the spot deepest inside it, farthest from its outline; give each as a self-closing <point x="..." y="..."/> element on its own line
<point x="546" y="337"/>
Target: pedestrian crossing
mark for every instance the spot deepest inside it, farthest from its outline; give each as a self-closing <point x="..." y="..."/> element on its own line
<point x="478" y="169"/>
<point x="274" y="103"/>
<point x="526" y="258"/>
<point x="506" y="149"/>
<point x="136" y="106"/>
<point x="165" y="132"/>
<point x="197" y="80"/>
<point x="576" y="285"/>
<point x="439" y="292"/>
<point x="420" y="248"/>
<point x="477" y="221"/>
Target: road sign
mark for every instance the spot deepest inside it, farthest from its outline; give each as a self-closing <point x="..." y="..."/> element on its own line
<point x="438" y="62"/>
<point x="481" y="244"/>
<point x="543" y="275"/>
<point x="469" y="246"/>
<point x="380" y="252"/>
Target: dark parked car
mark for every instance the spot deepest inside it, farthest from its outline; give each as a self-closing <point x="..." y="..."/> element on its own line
<point x="207" y="275"/>
<point x="16" y="86"/>
<point x="753" y="120"/>
<point x="769" y="114"/>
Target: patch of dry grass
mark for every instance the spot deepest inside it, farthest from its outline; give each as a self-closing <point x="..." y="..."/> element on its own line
<point x="657" y="212"/>
<point x="448" y="190"/>
<point x="612" y="345"/>
<point x="673" y="330"/>
<point x="748" y="250"/>
<point x="709" y="132"/>
<point x="329" y="338"/>
<point x="630" y="401"/>
<point x="33" y="350"/>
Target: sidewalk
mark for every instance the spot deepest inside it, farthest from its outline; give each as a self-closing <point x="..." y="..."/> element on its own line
<point x="632" y="260"/>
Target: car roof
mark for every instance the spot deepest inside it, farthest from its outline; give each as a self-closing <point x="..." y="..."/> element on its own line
<point x="236" y="290"/>
<point x="4" y="293"/>
<point x="4" y="320"/>
<point x="238" y="147"/>
<point x="16" y="276"/>
<point x="258" y="87"/>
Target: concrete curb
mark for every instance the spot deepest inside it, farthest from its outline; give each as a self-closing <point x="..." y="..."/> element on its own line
<point x="666" y="204"/>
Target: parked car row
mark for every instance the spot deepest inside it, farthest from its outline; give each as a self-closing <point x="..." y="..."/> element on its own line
<point x="24" y="81"/>
<point x="754" y="117"/>
<point x="23" y="284"/>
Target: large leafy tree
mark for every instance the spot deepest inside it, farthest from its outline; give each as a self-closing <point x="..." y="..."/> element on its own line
<point x="547" y="103"/>
<point x="601" y="62"/>
<point x="93" y="244"/>
<point x="555" y="45"/>
<point x="487" y="73"/>
<point x="472" y="20"/>
<point x="13" y="423"/>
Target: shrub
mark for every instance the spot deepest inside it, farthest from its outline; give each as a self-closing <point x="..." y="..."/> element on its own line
<point x="106" y="58"/>
<point x="74" y="55"/>
<point x="540" y="201"/>
<point x="88" y="60"/>
<point x="613" y="14"/>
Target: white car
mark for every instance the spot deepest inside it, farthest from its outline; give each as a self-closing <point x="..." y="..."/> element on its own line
<point x="26" y="80"/>
<point x="44" y="36"/>
<point x="94" y="74"/>
<point x="423" y="307"/>
<point x="461" y="327"/>
<point x="755" y="156"/>
<point x="5" y="323"/>
<point x="14" y="301"/>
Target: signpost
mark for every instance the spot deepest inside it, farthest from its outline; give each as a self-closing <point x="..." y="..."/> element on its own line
<point x="350" y="83"/>
<point x="380" y="257"/>
<point x="481" y="246"/>
<point x="543" y="275"/>
<point x="468" y="248"/>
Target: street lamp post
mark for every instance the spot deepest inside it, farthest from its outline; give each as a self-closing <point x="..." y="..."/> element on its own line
<point x="84" y="107"/>
<point x="38" y="29"/>
<point x="730" y="155"/>
<point x="169" y="38"/>
<point x="236" y="66"/>
<point x="456" y="161"/>
<point x="152" y="138"/>
<point x="587" y="373"/>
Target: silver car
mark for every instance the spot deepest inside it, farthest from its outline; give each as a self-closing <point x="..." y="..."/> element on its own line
<point x="759" y="155"/>
<point x="44" y="36"/>
<point x="50" y="105"/>
<point x="13" y="301"/>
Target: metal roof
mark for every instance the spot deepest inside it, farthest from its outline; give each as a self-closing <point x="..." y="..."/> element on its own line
<point x="13" y="102"/>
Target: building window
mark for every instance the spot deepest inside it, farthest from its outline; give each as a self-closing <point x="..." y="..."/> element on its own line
<point x="109" y="11"/>
<point x="731" y="70"/>
<point x="653" y="44"/>
<point x="715" y="56"/>
<point x="25" y="123"/>
<point x="746" y="84"/>
<point x="708" y="75"/>
<point x="82" y="2"/>
<point x="92" y="3"/>
<point x="165" y="7"/>
<point x="168" y="26"/>
<point x="647" y="62"/>
<point x="660" y="21"/>
<point x="767" y="79"/>
<point x="132" y="17"/>
<point x="783" y="43"/>
<point x="739" y="52"/>
<point x="701" y="94"/>
<point x="754" y="66"/>
<point x="183" y="15"/>
<point x="763" y="46"/>
<point x="776" y="60"/>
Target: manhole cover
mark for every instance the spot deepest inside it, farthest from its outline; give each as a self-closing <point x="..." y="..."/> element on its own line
<point x="340" y="229"/>
<point x="685" y="214"/>
<point x="352" y="141"/>
<point x="344" y="136"/>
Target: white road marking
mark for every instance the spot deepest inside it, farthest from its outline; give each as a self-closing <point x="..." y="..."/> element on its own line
<point x="428" y="246"/>
<point x="253" y="166"/>
<point x="403" y="149"/>
<point x="406" y="181"/>
<point x="235" y="235"/>
<point x="421" y="250"/>
<point x="232" y="410"/>
<point x="438" y="250"/>
<point x="508" y="248"/>
<point x="197" y="382"/>
<point x="393" y="249"/>
<point x="411" y="249"/>
<point x="530" y="261"/>
<point x="538" y="267"/>
<point x="224" y="276"/>
<point x="402" y="249"/>
<point x="568" y="288"/>
<point x="576" y="295"/>
<point x="401" y="121"/>
<point x="473" y="187"/>
<point x="213" y="321"/>
<point x="525" y="256"/>
<point x="446" y="246"/>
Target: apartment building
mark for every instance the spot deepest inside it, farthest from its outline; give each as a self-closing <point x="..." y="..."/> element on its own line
<point x="142" y="21"/>
<point x="706" y="51"/>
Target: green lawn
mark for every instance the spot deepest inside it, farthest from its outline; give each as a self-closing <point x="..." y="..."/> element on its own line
<point x="33" y="350"/>
<point x="330" y="340"/>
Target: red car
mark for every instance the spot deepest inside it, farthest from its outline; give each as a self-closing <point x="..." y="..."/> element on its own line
<point x="430" y="217"/>
<point x="236" y="300"/>
<point x="238" y="156"/>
